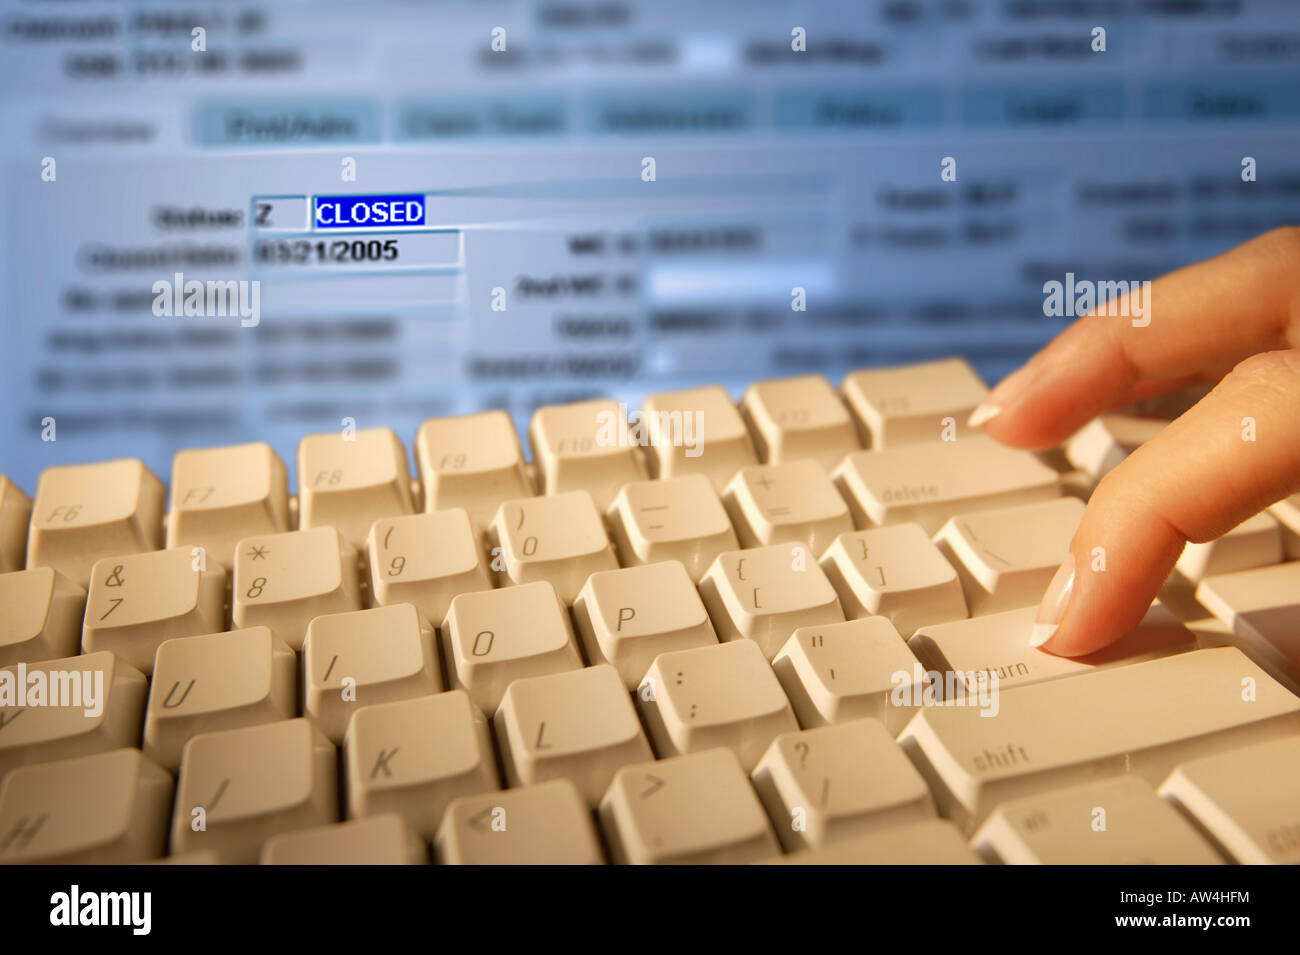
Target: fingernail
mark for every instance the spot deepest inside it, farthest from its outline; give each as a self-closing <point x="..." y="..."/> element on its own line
<point x="982" y="414"/>
<point x="1007" y="392"/>
<point x="1052" y="610"/>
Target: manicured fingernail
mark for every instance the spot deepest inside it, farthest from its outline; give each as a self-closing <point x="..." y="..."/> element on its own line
<point x="1052" y="610"/>
<point x="1008" y="391"/>
<point x="983" y="413"/>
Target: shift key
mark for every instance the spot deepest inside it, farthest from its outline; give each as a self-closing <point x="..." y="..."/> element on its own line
<point x="1142" y="719"/>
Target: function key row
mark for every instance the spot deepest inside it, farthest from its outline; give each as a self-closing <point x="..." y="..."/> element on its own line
<point x="348" y="480"/>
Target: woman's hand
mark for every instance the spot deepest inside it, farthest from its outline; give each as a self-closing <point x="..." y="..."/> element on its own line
<point x="1235" y="320"/>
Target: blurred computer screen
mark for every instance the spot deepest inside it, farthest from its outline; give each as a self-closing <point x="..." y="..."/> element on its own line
<point x="433" y="208"/>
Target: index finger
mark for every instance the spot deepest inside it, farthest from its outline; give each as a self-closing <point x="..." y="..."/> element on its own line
<point x="1191" y="325"/>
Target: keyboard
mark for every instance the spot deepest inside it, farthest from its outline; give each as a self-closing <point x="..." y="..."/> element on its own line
<point x="790" y="629"/>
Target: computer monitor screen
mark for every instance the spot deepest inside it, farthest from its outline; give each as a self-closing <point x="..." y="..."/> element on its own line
<point x="256" y="221"/>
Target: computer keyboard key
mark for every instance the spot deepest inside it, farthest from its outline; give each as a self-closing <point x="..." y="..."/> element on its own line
<point x="793" y="502"/>
<point x="15" y="517"/>
<point x="87" y="704"/>
<point x="1116" y="821"/>
<point x="413" y="757"/>
<point x="1255" y="542"/>
<point x="1262" y="607"/>
<point x="931" y="482"/>
<point x="836" y="782"/>
<point x="578" y="725"/>
<point x="546" y="824"/>
<point x="847" y="671"/>
<point x="221" y="495"/>
<point x="559" y="538"/>
<point x="932" y="842"/>
<point x="724" y="695"/>
<point x="42" y="616"/>
<point x="1006" y="557"/>
<point x="585" y="446"/>
<point x="1142" y="719"/>
<point x="238" y="788"/>
<point x="696" y="431"/>
<point x="628" y="617"/>
<point x="767" y="593"/>
<point x="1287" y="513"/>
<point x="1103" y="443"/>
<point x="688" y="810"/>
<point x="794" y="418"/>
<point x="895" y="572"/>
<point x="107" y="809"/>
<point x="139" y="600"/>
<point x="84" y="512"/>
<point x="678" y="519"/>
<point x="492" y="638"/>
<point x="282" y="581"/>
<point x="911" y="403"/>
<point x="425" y="560"/>
<point x="376" y="840"/>
<point x="363" y="657"/>
<point x="217" y="681"/>
<point x="1245" y="801"/>
<point x="997" y="645"/>
<point x="350" y="479"/>
<point x="473" y="461"/>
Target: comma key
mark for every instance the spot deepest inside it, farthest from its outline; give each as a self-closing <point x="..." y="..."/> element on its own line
<point x="545" y="824"/>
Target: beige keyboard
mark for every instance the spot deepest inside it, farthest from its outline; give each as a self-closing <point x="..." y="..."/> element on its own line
<point x="784" y="625"/>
